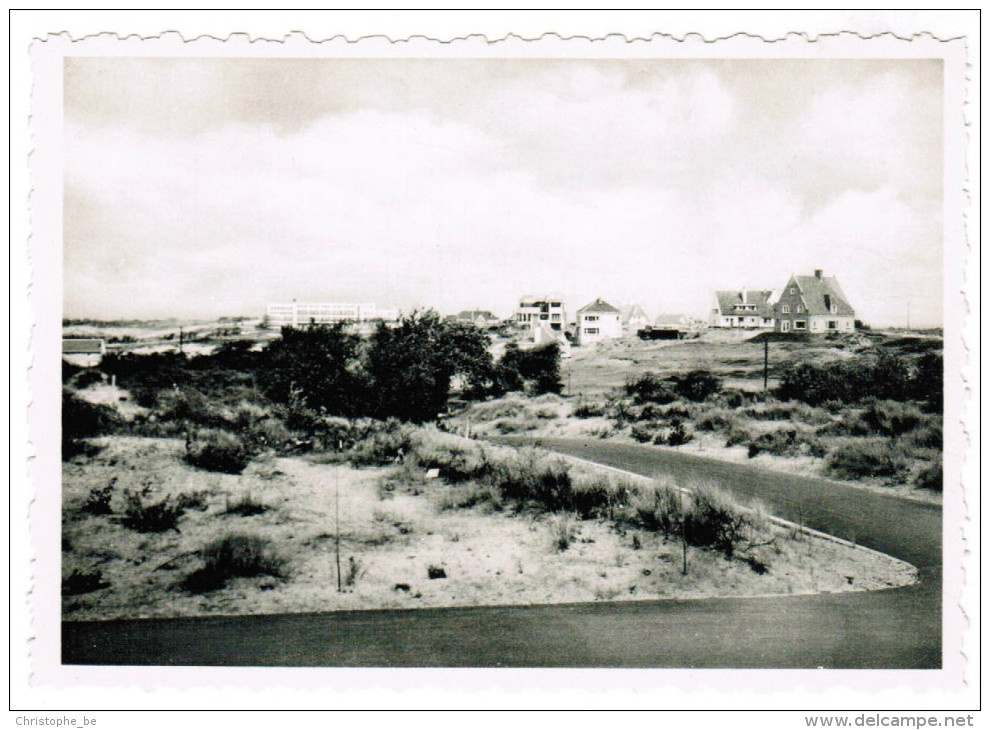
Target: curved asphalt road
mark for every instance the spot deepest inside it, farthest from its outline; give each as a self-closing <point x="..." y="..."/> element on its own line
<point x="897" y="628"/>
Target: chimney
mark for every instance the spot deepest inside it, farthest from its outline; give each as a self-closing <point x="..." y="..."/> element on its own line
<point x="818" y="273"/>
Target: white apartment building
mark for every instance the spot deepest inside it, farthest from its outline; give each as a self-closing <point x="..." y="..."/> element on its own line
<point x="296" y="314"/>
<point x="534" y="312"/>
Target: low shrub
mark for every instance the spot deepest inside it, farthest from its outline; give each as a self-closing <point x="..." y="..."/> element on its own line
<point x="704" y="517"/>
<point x="588" y="409"/>
<point x="790" y="411"/>
<point x="233" y="556"/>
<point x="564" y="532"/>
<point x="599" y="496"/>
<point x="737" y="434"/>
<point x="197" y="500"/>
<point x="713" y="520"/>
<point x="98" y="500"/>
<point x="787" y="442"/>
<point x="716" y="419"/>
<point x="698" y="385"/>
<point x="642" y="432"/>
<point x="246" y="506"/>
<point x="515" y="425"/>
<point x="874" y="457"/>
<point x="83" y="581"/>
<point x="81" y="420"/>
<point x="658" y="507"/>
<point x="927" y="436"/>
<point x="142" y="516"/>
<point x="674" y="435"/>
<point x="891" y="418"/>
<point x="650" y="388"/>
<point x="930" y="477"/>
<point x="387" y="443"/>
<point x="216" y="450"/>
<point x="268" y="432"/>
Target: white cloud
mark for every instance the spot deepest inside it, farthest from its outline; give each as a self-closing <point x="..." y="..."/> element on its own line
<point x="570" y="178"/>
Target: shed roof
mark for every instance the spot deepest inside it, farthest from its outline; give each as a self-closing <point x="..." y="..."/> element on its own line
<point x="80" y="346"/>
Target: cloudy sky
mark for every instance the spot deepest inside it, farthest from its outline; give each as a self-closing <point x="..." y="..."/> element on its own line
<point x="206" y="187"/>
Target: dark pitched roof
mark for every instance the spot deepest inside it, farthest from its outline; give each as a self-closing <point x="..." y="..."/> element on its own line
<point x="819" y="292"/>
<point x="80" y="346"/>
<point x="599" y="305"/>
<point x="729" y="300"/>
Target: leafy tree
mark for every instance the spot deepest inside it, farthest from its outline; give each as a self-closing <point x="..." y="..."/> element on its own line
<point x="411" y="365"/>
<point x="928" y="381"/>
<point x="537" y="366"/>
<point x="318" y="366"/>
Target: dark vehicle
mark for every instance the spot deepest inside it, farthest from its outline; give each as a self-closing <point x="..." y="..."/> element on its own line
<point x="650" y="333"/>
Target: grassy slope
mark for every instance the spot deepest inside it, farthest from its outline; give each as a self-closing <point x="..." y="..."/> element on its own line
<point x="489" y="557"/>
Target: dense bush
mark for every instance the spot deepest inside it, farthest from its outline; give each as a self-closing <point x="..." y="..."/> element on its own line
<point x="716" y="419"/>
<point x="873" y="457"/>
<point x="142" y="516"/>
<point x="930" y="477"/>
<point x="536" y="369"/>
<point x="83" y="581"/>
<point x="82" y="419"/>
<point x="698" y="385"/>
<point x="674" y="435"/>
<point x="235" y="556"/>
<point x="217" y="450"/>
<point x="650" y="388"/>
<point x="385" y="443"/>
<point x="787" y="442"/>
<point x="882" y="376"/>
<point x="588" y="409"/>
<point x="98" y="500"/>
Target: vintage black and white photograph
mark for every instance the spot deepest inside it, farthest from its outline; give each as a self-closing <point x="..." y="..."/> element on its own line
<point x="496" y="359"/>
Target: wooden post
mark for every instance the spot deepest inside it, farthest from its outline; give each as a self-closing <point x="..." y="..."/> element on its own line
<point x="683" y="535"/>
<point x="336" y="519"/>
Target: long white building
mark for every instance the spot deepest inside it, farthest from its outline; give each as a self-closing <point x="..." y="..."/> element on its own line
<point x="296" y="314"/>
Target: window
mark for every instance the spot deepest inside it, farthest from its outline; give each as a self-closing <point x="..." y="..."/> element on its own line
<point x="555" y="317"/>
<point x="832" y="324"/>
<point x="591" y="330"/>
<point x="591" y="318"/>
<point x="785" y="308"/>
<point x="799" y="309"/>
<point x="785" y="326"/>
<point x="833" y="309"/>
<point x="793" y="290"/>
<point x="800" y="324"/>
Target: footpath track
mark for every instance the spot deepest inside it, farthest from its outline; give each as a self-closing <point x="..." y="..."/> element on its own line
<point x="890" y="629"/>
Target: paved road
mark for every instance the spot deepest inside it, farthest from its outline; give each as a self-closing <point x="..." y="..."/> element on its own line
<point x="898" y="628"/>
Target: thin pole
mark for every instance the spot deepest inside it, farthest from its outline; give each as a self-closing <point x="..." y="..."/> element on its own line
<point x="766" y="365"/>
<point x="683" y="535"/>
<point x="336" y="519"/>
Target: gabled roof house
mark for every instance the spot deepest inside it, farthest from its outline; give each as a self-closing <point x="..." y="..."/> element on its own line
<point x="814" y="304"/>
<point x="598" y="321"/>
<point x="750" y="308"/>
